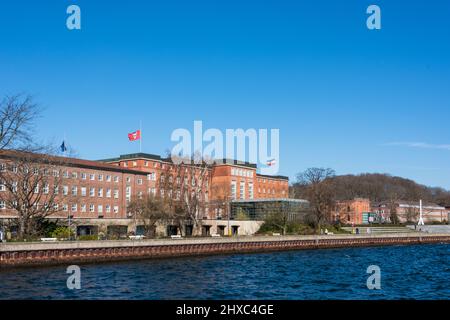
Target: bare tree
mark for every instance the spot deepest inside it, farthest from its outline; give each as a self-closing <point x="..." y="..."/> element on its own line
<point x="220" y="200"/>
<point x="278" y="216"/>
<point x="318" y="189"/>
<point x="148" y="211"/>
<point x="30" y="186"/>
<point x="394" y="194"/>
<point x="17" y="115"/>
<point x="184" y="184"/>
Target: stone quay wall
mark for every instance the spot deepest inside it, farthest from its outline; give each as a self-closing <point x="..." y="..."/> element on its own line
<point x="34" y="254"/>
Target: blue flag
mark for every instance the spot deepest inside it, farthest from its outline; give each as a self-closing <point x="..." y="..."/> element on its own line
<point x="63" y="147"/>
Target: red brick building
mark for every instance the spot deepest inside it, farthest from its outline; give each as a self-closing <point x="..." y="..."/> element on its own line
<point x="101" y="189"/>
<point x="351" y="211"/>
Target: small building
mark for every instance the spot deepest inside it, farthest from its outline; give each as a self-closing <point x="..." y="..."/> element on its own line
<point x="409" y="211"/>
<point x="351" y="211"/>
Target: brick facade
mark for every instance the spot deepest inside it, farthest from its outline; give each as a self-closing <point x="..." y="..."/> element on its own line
<point x="101" y="189"/>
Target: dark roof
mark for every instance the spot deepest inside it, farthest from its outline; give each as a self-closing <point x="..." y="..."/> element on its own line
<point x="236" y="163"/>
<point x="150" y="156"/>
<point x="130" y="156"/>
<point x="67" y="161"/>
<point x="272" y="177"/>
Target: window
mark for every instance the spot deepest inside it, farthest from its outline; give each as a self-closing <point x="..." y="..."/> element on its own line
<point x="74" y="175"/>
<point x="108" y="178"/>
<point x="250" y="190"/>
<point x="74" y="191"/>
<point x="146" y="163"/>
<point x="100" y="192"/>
<point x="56" y="190"/>
<point x="242" y="190"/>
<point x="92" y="176"/>
<point x="116" y="179"/>
<point x="36" y="188"/>
<point x="55" y="206"/>
<point x="83" y="176"/>
<point x="2" y="187"/>
<point x="66" y="174"/>
<point x="108" y="193"/>
<point x="2" y="205"/>
<point x="128" y="179"/>
<point x="56" y="173"/>
<point x="125" y="164"/>
<point x="100" y="208"/>
<point x="83" y="191"/>
<point x="108" y="208"/>
<point x="45" y="189"/>
<point x="2" y="167"/>
<point x="65" y="207"/>
<point x="91" y="208"/>
<point x="116" y="209"/>
<point x="140" y="194"/>
<point x="116" y="194"/>
<point x="134" y="164"/>
<point x="100" y="177"/>
<point x="92" y="192"/>
<point x="74" y="207"/>
<point x="83" y="208"/>
<point x="128" y="193"/>
<point x="139" y="181"/>
<point x="233" y="189"/>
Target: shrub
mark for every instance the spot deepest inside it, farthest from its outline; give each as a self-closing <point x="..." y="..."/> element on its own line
<point x="61" y="233"/>
<point x="88" y="238"/>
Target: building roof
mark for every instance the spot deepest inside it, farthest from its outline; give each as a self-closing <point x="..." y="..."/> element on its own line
<point x="270" y="200"/>
<point x="272" y="177"/>
<point x="67" y="161"/>
<point x="131" y="156"/>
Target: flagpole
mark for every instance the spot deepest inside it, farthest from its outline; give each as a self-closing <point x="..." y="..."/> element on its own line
<point x="140" y="140"/>
<point x="65" y="148"/>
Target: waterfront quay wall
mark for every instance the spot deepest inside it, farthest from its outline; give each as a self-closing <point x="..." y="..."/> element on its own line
<point x="33" y="254"/>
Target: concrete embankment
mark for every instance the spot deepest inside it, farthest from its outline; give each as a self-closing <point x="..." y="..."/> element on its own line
<point x="31" y="254"/>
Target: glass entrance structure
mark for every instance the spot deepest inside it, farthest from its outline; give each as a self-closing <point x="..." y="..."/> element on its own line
<point x="258" y="209"/>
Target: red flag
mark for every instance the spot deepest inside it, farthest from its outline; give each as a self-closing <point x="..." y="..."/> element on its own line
<point x="134" y="135"/>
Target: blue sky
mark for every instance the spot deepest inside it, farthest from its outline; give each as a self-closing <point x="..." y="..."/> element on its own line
<point x="342" y="96"/>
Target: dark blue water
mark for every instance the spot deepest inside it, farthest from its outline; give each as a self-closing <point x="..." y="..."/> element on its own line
<point x="407" y="272"/>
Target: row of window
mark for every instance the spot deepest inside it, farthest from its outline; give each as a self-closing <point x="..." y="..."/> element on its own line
<point x="84" y="176"/>
<point x="241" y="190"/>
<point x="74" y="208"/>
<point x="241" y="172"/>
<point x="146" y="164"/>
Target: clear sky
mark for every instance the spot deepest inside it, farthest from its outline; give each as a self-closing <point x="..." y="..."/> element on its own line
<point x="342" y="96"/>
